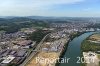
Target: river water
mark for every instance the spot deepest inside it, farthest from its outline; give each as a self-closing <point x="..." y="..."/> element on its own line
<point x="74" y="50"/>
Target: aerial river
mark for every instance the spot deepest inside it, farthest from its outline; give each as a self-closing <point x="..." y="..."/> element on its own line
<point x="74" y="50"/>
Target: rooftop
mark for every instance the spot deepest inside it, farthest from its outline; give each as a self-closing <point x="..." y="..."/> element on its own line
<point x="24" y="42"/>
<point x="8" y="59"/>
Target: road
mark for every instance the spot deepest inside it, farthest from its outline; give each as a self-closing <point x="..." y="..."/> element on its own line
<point x="34" y="52"/>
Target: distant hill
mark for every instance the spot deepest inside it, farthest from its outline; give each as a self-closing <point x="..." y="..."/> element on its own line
<point x="50" y="19"/>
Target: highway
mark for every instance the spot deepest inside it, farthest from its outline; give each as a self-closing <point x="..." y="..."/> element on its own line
<point x="34" y="52"/>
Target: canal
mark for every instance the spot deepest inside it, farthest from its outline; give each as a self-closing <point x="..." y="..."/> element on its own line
<point x="74" y="50"/>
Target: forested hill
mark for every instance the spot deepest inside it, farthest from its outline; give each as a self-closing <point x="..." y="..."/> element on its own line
<point x="15" y="24"/>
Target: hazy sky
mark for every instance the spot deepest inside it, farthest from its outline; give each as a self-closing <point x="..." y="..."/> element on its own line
<point x="69" y="8"/>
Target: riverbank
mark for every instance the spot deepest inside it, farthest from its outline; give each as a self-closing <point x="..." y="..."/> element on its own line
<point x="74" y="35"/>
<point x="83" y="64"/>
<point x="90" y="45"/>
<point x="66" y="45"/>
<point x="73" y="50"/>
<point x="62" y="53"/>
